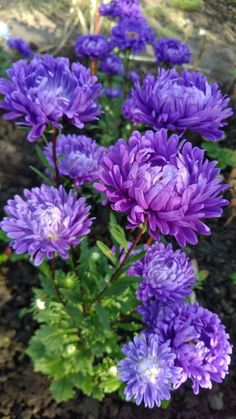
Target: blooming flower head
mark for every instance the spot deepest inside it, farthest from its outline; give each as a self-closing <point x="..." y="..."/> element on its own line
<point x="78" y="158"/>
<point x="93" y="46"/>
<point x="171" y="51"/>
<point x="21" y="46"/>
<point x="199" y="340"/>
<point x="121" y="9"/>
<point x="129" y="111"/>
<point x="47" y="221"/>
<point x="133" y="34"/>
<point x="162" y="182"/>
<point x="133" y="76"/>
<point x="148" y="370"/>
<point x="180" y="102"/>
<point x="113" y="65"/>
<point x="112" y="92"/>
<point x="43" y="91"/>
<point x="168" y="275"/>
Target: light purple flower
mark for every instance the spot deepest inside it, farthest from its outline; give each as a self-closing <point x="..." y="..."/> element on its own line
<point x="131" y="112"/>
<point x="180" y="102"/>
<point x="40" y="93"/>
<point x="132" y="34"/>
<point x="162" y="182"/>
<point x="21" y="46"/>
<point x="148" y="370"/>
<point x="113" y="65"/>
<point x="121" y="9"/>
<point x="93" y="46"/>
<point x="78" y="158"/>
<point x="112" y="92"/>
<point x="47" y="221"/>
<point x="168" y="275"/>
<point x="171" y="51"/>
<point x="199" y="340"/>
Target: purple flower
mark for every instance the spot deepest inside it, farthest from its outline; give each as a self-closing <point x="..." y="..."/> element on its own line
<point x="180" y="102"/>
<point x="148" y="370"/>
<point x="168" y="275"/>
<point x="78" y="158"/>
<point x="21" y="46"/>
<point x="112" y="92"/>
<point x="171" y="51"/>
<point x="133" y="76"/>
<point x="43" y="91"/>
<point x="129" y="111"/>
<point x="113" y="65"/>
<point x="133" y="34"/>
<point x="162" y="182"/>
<point x="198" y="339"/>
<point x="93" y="46"/>
<point x="121" y="9"/>
<point x="47" y="221"/>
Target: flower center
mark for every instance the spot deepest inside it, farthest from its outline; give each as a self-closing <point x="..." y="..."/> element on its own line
<point x="148" y="368"/>
<point x="132" y="35"/>
<point x="49" y="219"/>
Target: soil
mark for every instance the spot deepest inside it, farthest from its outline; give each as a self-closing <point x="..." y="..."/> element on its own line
<point x="24" y="394"/>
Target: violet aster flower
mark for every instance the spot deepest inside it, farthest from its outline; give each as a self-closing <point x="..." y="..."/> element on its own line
<point x="168" y="275"/>
<point x="148" y="370"/>
<point x="113" y="65"/>
<point x="133" y="76"/>
<point x="130" y="111"/>
<point x="93" y="46"/>
<point x="180" y="102"/>
<point x="112" y="92"/>
<point x="133" y="34"/>
<point x="21" y="46"/>
<point x="43" y="91"/>
<point x="47" y="221"/>
<point x="171" y="51"/>
<point x="78" y="158"/>
<point x="163" y="182"/>
<point x="121" y="9"/>
<point x="199" y="340"/>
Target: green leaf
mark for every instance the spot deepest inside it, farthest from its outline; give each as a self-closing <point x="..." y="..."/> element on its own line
<point x="103" y="315"/>
<point x="133" y="258"/>
<point x="107" y="252"/>
<point x="3" y="237"/>
<point x="43" y="159"/>
<point x="233" y="277"/>
<point x="41" y="175"/>
<point x="62" y="389"/>
<point x="121" y="284"/>
<point x="111" y="384"/>
<point x="36" y="349"/>
<point x="225" y="156"/>
<point x="118" y="235"/>
<point x="165" y="404"/>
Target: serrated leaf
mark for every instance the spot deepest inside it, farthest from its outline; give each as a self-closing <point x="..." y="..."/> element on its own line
<point x="103" y="315"/>
<point x="107" y="252"/>
<point x="62" y="389"/>
<point x="118" y="235"/>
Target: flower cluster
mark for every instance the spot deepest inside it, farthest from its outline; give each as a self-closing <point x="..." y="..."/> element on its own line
<point x="47" y="221"/>
<point x="92" y="46"/>
<point x="43" y="91"/>
<point x="78" y="158"/>
<point x="164" y="183"/>
<point x="121" y="9"/>
<point x="180" y="102"/>
<point x="113" y="65"/>
<point x="21" y="46"/>
<point x="171" y="51"/>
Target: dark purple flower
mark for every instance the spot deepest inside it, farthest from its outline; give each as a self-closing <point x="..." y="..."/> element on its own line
<point x="113" y="65"/>
<point x="78" y="158"/>
<point x="112" y="92"/>
<point x="93" y="46"/>
<point x="171" y="51"/>
<point x="21" y="46"/>
<point x="43" y="91"/>
<point x="133" y="34"/>
<point x="47" y="221"/>
<point x="129" y="111"/>
<point x="148" y="370"/>
<point x="199" y="340"/>
<point x="162" y="182"/>
<point x="168" y="275"/>
<point x="180" y="102"/>
<point x="133" y="76"/>
<point x="121" y="9"/>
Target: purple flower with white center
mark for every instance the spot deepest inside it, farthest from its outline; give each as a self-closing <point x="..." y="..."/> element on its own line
<point x="180" y="102"/>
<point x="199" y="340"/>
<point x="47" y="221"/>
<point x="113" y="65"/>
<point x="171" y="51"/>
<point x="93" y="46"/>
<point x="168" y="275"/>
<point x="112" y="92"/>
<point x="78" y="158"/>
<point x="129" y="111"/>
<point x="133" y="76"/>
<point x="21" y="46"/>
<point x="148" y="370"/>
<point x="40" y="93"/>
<point x="133" y="34"/>
<point x="121" y="9"/>
<point x="164" y="183"/>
